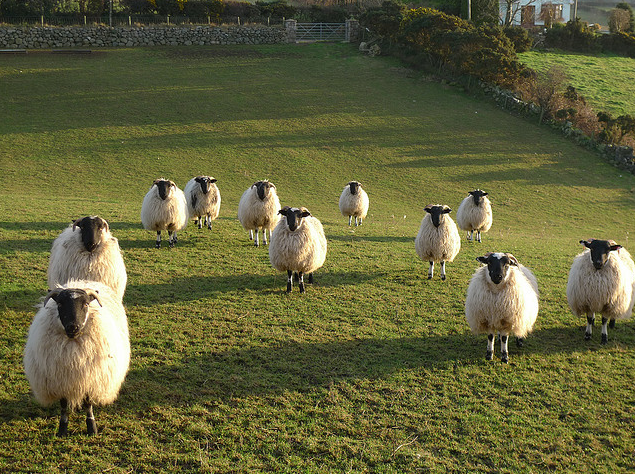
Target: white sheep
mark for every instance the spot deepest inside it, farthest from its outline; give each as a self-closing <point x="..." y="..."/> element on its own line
<point x="475" y="214"/>
<point x="438" y="238"/>
<point x="298" y="244"/>
<point x="78" y="349"/>
<point x="501" y="297"/>
<point x="258" y="209"/>
<point x="86" y="250"/>
<point x="203" y="200"/>
<point x="164" y="208"/>
<point x="354" y="202"/>
<point x="602" y="280"/>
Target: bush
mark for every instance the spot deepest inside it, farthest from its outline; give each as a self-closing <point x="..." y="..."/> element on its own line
<point x="574" y="36"/>
<point x="384" y="20"/>
<point x="27" y="7"/>
<point x="619" y="43"/>
<point x="519" y="37"/>
<point x="203" y="8"/>
<point x="243" y="10"/>
<point x="276" y="9"/>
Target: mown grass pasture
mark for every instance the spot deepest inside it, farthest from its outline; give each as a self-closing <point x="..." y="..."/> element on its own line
<point x="604" y="80"/>
<point x="373" y="369"/>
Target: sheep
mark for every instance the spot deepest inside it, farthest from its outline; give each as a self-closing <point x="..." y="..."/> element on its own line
<point x="298" y="244"/>
<point x="258" y="209"/>
<point x="203" y="199"/>
<point x="475" y="214"/>
<point x="601" y="280"/>
<point x="164" y="208"/>
<point x="78" y="350"/>
<point x="438" y="238"/>
<point x="502" y="296"/>
<point x="86" y="250"/>
<point x="354" y="202"/>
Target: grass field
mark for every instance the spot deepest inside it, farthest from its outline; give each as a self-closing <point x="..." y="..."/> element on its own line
<point x="373" y="369"/>
<point x="605" y="81"/>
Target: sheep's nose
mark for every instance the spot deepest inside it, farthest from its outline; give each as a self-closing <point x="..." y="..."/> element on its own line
<point x="597" y="265"/>
<point x="72" y="331"/>
<point x="496" y="279"/>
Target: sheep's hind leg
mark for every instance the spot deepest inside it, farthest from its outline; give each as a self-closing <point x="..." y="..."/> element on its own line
<point x="257" y="239"/>
<point x="469" y="235"/>
<point x="158" y="243"/>
<point x="350" y="220"/>
<point x="208" y="221"/>
<point x="91" y="426"/>
<point x="264" y="236"/>
<point x="171" y="238"/>
<point x="289" y="281"/>
<point x="251" y="235"/>
<point x="63" y="428"/>
<point x="478" y="236"/>
<point x="490" y="347"/>
<point x="590" y="319"/>
<point x="605" y="333"/>
<point x="311" y="278"/>
<point x="520" y="341"/>
<point x="301" y="277"/>
<point x="442" y="270"/>
<point x="199" y="222"/>
<point x="431" y="271"/>
<point x="504" y="352"/>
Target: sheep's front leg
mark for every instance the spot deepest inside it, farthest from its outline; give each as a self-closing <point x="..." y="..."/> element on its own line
<point x="431" y="271"/>
<point x="301" y="284"/>
<point x="590" y="319"/>
<point x="171" y="238"/>
<point x="443" y="270"/>
<point x="605" y="332"/>
<point x="91" y="426"/>
<point x="350" y="220"/>
<point x="469" y="235"/>
<point x="63" y="428"/>
<point x="199" y="222"/>
<point x="251" y="235"/>
<point x="478" y="236"/>
<point x="289" y="281"/>
<point x="209" y="222"/>
<point x="257" y="240"/>
<point x="158" y="243"/>
<point x="504" y="352"/>
<point x="490" y="347"/>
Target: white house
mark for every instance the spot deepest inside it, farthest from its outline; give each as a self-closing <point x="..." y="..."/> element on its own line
<point x="530" y="13"/>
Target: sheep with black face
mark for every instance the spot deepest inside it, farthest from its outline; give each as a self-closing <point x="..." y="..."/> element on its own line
<point x="203" y="200"/>
<point x="438" y="238"/>
<point x="78" y="351"/>
<point x="298" y="244"/>
<point x="602" y="280"/>
<point x="502" y="297"/>
<point x="86" y="250"/>
<point x="475" y="214"/>
<point x="258" y="209"/>
<point x="354" y="202"/>
<point x="164" y="208"/>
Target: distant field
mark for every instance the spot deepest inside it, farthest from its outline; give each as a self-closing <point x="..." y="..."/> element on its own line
<point x="605" y="81"/>
<point x="373" y="369"/>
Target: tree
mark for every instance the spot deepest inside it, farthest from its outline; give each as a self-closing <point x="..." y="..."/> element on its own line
<point x="631" y="22"/>
<point x="546" y="89"/>
<point x="619" y="20"/>
<point x="485" y="12"/>
<point x="512" y="9"/>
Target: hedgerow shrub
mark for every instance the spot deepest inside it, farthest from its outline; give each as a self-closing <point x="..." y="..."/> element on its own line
<point x="575" y="35"/>
<point x="519" y="37"/>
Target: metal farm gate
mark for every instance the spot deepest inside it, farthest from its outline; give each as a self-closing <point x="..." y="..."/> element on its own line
<point x="321" y="32"/>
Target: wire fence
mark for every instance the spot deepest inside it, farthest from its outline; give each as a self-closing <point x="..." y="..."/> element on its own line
<point x="137" y="20"/>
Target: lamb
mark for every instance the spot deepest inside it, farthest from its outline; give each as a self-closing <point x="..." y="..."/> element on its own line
<point x="258" y="209"/>
<point x="78" y="349"/>
<point x="475" y="214"/>
<point x="164" y="208"/>
<point x="602" y="280"/>
<point x="86" y="250"/>
<point x="438" y="238"/>
<point x="298" y="244"/>
<point x="503" y="297"/>
<point x="354" y="202"/>
<point x="203" y="200"/>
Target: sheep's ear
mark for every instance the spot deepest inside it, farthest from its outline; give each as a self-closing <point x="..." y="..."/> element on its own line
<point x="76" y="223"/>
<point x="586" y="242"/>
<point x="283" y="211"/>
<point x="512" y="260"/>
<point x="155" y="182"/>
<point x="483" y="259"/>
<point x="213" y="180"/>
<point x="615" y="246"/>
<point x="446" y="210"/>
<point x="428" y="208"/>
<point x="94" y="295"/>
<point x="52" y="295"/>
<point x="305" y="213"/>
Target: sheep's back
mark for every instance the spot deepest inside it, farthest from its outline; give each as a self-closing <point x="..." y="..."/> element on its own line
<point x="255" y="214"/>
<point x="169" y="214"/>
<point x="355" y="205"/>
<point x="471" y="217"/>
<point x="437" y="244"/>
<point x="512" y="308"/>
<point x="92" y="365"/>
<point x="609" y="291"/>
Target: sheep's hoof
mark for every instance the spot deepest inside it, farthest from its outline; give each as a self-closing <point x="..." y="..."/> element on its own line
<point x="443" y="277"/>
<point x="504" y="357"/>
<point x="91" y="427"/>
<point x="172" y="244"/>
<point x="256" y="244"/>
<point x="157" y="245"/>
<point x="489" y="355"/>
<point x="611" y="324"/>
<point x="200" y="226"/>
<point x="302" y="290"/>
<point x="289" y="287"/>
<point x="587" y="336"/>
<point x="520" y="341"/>
<point x="605" y="339"/>
<point x="62" y="431"/>
<point x="429" y="277"/>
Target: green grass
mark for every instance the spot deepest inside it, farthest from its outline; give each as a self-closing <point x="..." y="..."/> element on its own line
<point x="373" y="369"/>
<point x="605" y="81"/>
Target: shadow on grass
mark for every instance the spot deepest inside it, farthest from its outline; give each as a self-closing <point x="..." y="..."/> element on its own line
<point x="368" y="238"/>
<point x="26" y="245"/>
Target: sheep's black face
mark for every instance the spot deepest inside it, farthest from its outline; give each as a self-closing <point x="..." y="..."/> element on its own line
<point x="92" y="229"/>
<point x="294" y="216"/>
<point x="354" y="185"/>
<point x="436" y="212"/>
<point x="205" y="182"/>
<point x="498" y="265"/>
<point x="263" y="188"/>
<point x="600" y="251"/>
<point x="72" y="308"/>
<point x="477" y="196"/>
<point x="164" y="187"/>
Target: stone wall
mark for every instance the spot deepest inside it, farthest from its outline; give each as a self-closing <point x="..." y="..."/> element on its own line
<point x="103" y="36"/>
